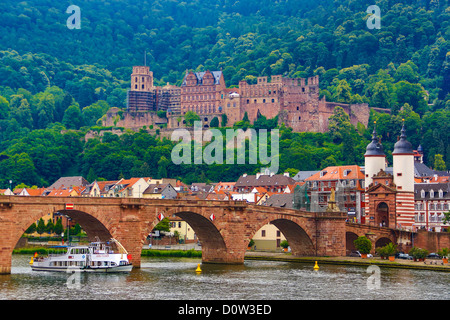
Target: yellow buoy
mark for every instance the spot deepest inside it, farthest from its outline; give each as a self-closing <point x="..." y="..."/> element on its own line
<point x="316" y="266"/>
<point x="31" y="260"/>
<point x="198" y="268"/>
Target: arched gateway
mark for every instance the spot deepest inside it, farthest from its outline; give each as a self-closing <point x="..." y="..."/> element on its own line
<point x="223" y="227"/>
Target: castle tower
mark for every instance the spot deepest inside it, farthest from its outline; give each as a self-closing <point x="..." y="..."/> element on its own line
<point x="374" y="158"/>
<point x="141" y="79"/>
<point x="403" y="162"/>
<point x="374" y="161"/>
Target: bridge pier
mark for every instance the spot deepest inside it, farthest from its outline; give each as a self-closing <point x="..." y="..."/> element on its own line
<point x="5" y="261"/>
<point x="7" y="241"/>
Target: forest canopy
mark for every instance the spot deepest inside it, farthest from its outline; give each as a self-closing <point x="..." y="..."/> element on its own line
<point x="56" y="82"/>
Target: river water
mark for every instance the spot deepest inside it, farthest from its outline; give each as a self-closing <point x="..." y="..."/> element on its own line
<point x="176" y="279"/>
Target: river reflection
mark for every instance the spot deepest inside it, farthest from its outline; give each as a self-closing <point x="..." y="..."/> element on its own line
<point x="176" y="279"/>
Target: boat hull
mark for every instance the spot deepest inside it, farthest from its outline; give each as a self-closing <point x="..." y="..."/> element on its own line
<point x="114" y="269"/>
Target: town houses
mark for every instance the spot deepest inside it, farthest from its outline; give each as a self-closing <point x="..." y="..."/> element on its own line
<point x="406" y="196"/>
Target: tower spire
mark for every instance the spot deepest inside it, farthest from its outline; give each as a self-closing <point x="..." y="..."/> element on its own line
<point x="375" y="148"/>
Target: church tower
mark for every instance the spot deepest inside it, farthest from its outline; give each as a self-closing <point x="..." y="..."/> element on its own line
<point x="403" y="172"/>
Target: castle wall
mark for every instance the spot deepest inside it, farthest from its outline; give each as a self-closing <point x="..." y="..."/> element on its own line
<point x="117" y="118"/>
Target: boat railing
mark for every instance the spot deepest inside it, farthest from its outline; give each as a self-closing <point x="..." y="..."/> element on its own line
<point x="52" y="255"/>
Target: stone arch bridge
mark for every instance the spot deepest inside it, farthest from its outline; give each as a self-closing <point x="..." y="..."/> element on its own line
<point x="223" y="227"/>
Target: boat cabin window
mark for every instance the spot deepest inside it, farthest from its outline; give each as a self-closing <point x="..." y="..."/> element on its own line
<point x="79" y="251"/>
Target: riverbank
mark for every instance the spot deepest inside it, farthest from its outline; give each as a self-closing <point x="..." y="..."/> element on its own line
<point x="429" y="264"/>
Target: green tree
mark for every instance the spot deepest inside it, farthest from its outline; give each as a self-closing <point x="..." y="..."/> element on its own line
<point x="214" y="123"/>
<point x="49" y="228"/>
<point x="72" y="117"/>
<point x="41" y="226"/>
<point x="163" y="163"/>
<point x="224" y="120"/>
<point x="363" y="244"/>
<point x="190" y="117"/>
<point x="4" y="108"/>
<point x="439" y="163"/>
<point x="163" y="225"/>
<point x="343" y="92"/>
<point x="380" y="97"/>
<point x="31" y="228"/>
<point x="58" y="229"/>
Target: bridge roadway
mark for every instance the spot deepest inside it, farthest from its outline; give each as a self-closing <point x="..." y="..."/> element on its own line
<point x="223" y="227"/>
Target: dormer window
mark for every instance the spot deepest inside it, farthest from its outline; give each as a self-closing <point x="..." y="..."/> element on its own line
<point x="432" y="194"/>
<point x="441" y="193"/>
<point x="322" y="173"/>
<point x="346" y="172"/>
<point x="422" y="193"/>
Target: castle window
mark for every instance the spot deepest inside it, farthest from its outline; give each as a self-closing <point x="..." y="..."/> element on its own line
<point x="142" y="86"/>
<point x="399" y="174"/>
<point x="135" y="86"/>
<point x="248" y="101"/>
<point x="273" y="100"/>
<point x="264" y="100"/>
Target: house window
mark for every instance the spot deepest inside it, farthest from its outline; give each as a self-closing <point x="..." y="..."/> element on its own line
<point x="263" y="233"/>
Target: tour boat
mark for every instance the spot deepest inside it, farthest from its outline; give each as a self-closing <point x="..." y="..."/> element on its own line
<point x="95" y="257"/>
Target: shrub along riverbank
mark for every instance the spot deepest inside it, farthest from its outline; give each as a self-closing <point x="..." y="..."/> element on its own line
<point x="144" y="253"/>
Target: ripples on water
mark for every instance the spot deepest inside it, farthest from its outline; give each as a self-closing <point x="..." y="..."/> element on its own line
<point x="176" y="279"/>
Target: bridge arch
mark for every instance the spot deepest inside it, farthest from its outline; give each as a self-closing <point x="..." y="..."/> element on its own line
<point x="92" y="225"/>
<point x="382" y="241"/>
<point x="350" y="237"/>
<point x="295" y="232"/>
<point x="299" y="241"/>
<point x="213" y="243"/>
